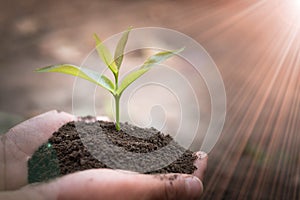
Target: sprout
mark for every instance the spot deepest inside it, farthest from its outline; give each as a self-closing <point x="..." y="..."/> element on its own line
<point x="114" y="64"/>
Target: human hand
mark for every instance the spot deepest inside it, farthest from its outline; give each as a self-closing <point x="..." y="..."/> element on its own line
<point x="20" y="142"/>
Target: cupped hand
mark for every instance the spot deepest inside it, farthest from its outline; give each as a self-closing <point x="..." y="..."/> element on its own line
<point x="20" y="142"/>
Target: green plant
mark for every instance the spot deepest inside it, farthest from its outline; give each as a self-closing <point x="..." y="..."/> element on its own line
<point x="114" y="64"/>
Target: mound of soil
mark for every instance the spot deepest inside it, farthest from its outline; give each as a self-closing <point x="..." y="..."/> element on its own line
<point x="85" y="145"/>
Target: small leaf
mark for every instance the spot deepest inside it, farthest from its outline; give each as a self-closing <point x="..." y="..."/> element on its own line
<point x="132" y="76"/>
<point x="105" y="55"/>
<point x="150" y="62"/>
<point x="160" y="57"/>
<point x="118" y="57"/>
<point x="84" y="73"/>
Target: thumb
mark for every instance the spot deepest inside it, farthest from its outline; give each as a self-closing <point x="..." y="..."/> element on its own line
<point x="116" y="184"/>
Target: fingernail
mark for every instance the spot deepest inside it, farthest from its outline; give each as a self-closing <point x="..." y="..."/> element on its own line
<point x="193" y="186"/>
<point x="202" y="154"/>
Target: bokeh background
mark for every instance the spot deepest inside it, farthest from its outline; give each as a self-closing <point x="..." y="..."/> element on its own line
<point x="255" y="44"/>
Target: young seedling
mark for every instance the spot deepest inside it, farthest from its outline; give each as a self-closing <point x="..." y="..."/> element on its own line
<point x="114" y="64"/>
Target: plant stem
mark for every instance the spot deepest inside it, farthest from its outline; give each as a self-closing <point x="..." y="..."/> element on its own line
<point x="117" y="102"/>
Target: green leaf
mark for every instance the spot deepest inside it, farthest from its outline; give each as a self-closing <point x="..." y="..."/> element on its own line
<point x="150" y="62"/>
<point x="130" y="78"/>
<point x="160" y="57"/>
<point x="81" y="72"/>
<point x="118" y="57"/>
<point x="105" y="55"/>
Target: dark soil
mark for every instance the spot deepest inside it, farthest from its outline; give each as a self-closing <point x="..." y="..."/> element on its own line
<point x="80" y="145"/>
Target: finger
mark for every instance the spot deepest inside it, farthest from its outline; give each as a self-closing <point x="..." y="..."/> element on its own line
<point x="201" y="164"/>
<point x="33" y="132"/>
<point x="181" y="187"/>
<point x="111" y="184"/>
